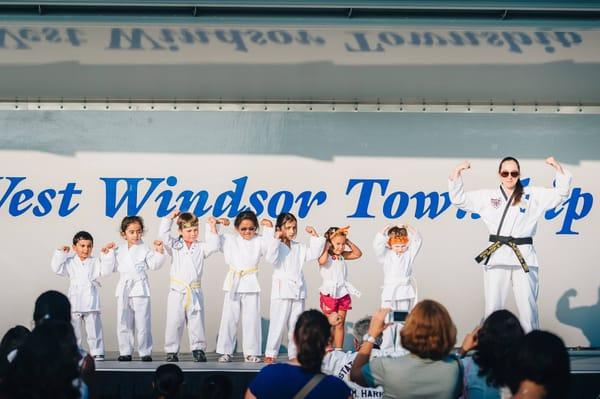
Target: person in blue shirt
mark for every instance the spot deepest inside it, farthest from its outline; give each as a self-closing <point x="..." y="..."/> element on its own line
<point x="312" y="334"/>
<point x="487" y="362"/>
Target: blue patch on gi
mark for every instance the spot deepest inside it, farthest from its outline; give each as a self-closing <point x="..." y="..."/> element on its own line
<point x="526" y="196"/>
<point x="522" y="210"/>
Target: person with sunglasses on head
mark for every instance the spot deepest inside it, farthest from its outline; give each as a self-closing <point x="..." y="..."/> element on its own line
<point x="242" y="252"/>
<point x="185" y="302"/>
<point x="511" y="213"/>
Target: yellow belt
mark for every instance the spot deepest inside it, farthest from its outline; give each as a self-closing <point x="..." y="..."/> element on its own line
<point x="242" y="273"/>
<point x="188" y="290"/>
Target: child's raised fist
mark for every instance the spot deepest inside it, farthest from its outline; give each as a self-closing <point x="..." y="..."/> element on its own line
<point x="159" y="246"/>
<point x="64" y="248"/>
<point x="211" y="220"/>
<point x="223" y="221"/>
<point x="175" y="214"/>
<point x="266" y="223"/>
<point x="311" y="230"/>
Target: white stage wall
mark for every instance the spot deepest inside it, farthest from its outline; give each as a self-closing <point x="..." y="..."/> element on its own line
<point x="331" y="158"/>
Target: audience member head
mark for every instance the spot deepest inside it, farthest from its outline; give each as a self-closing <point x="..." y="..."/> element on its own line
<point x="51" y="305"/>
<point x="541" y="367"/>
<point x="361" y="327"/>
<point x="46" y="365"/>
<point x="168" y="379"/>
<point x="496" y="341"/>
<point x="11" y="341"/>
<point x="428" y="331"/>
<point x="311" y="335"/>
<point x="216" y="387"/>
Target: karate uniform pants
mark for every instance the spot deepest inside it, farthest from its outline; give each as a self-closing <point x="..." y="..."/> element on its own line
<point x="391" y="335"/>
<point x="248" y="304"/>
<point x="497" y="280"/>
<point x="177" y="316"/>
<point x="134" y="312"/>
<point x="93" y="330"/>
<point x="283" y="312"/>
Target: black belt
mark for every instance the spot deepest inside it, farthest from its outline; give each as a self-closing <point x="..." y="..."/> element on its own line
<point x="512" y="242"/>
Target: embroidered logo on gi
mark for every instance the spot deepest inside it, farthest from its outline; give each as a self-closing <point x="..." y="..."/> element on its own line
<point x="496" y="202"/>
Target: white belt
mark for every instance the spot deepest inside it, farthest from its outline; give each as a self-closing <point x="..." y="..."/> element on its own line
<point x="339" y="284"/>
<point x="407" y="281"/>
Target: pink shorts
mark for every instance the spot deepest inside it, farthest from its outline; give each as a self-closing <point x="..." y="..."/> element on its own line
<point x="330" y="304"/>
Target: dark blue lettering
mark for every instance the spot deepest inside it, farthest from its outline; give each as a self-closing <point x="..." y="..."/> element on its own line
<point x="363" y="44"/>
<point x="129" y="196"/>
<point x="366" y="190"/>
<point x="388" y="205"/>
<point x="306" y="202"/>
<point x="234" y="196"/>
<point x="45" y="206"/>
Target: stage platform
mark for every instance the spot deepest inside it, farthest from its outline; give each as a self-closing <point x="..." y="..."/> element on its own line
<point x="134" y="379"/>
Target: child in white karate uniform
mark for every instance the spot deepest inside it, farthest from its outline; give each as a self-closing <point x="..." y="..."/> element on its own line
<point x="334" y="293"/>
<point x="288" y="290"/>
<point x="396" y="248"/>
<point x="133" y="258"/>
<point x="242" y="253"/>
<point x="83" y="270"/>
<point x="186" y="301"/>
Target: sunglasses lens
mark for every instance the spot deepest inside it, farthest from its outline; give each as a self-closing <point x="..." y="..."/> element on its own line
<point x="505" y="173"/>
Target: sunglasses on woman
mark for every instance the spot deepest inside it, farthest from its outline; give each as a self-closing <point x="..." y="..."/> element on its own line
<point x="505" y="173"/>
<point x="248" y="229"/>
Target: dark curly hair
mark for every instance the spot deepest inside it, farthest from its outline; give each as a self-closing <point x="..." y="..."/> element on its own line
<point x="46" y="365"/>
<point x="312" y="334"/>
<point x="496" y="340"/>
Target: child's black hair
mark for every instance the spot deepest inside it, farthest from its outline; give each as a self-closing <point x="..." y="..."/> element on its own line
<point x="127" y="220"/>
<point x="82" y="235"/>
<point x="246" y="215"/>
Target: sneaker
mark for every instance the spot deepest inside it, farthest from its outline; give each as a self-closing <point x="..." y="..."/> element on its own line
<point x="124" y="358"/>
<point x="146" y="358"/>
<point x="252" y="359"/>
<point x="172" y="357"/>
<point x="199" y="355"/>
<point x="99" y="358"/>
<point x="269" y="360"/>
<point x="225" y="358"/>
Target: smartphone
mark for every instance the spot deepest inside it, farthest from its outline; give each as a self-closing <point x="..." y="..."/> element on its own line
<point x="397" y="316"/>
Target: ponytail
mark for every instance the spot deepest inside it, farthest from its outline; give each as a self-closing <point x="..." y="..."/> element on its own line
<point x="518" y="193"/>
<point x="311" y="335"/>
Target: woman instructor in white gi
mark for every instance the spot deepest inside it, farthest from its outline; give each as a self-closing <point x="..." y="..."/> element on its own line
<point x="511" y="213"/>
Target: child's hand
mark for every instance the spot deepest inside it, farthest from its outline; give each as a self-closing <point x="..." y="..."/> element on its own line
<point x="159" y="246"/>
<point x="223" y="221"/>
<point x="311" y="230"/>
<point x="64" y="248"/>
<point x="175" y="214"/>
<point x="212" y="221"/>
<point x="278" y="234"/>
<point x="266" y="223"/>
<point x="464" y="165"/>
<point x="334" y="319"/>
<point x="386" y="228"/>
<point x="108" y="247"/>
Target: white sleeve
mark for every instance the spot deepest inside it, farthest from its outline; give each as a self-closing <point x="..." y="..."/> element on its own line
<point x="380" y="248"/>
<point x="155" y="260"/>
<point x="550" y="198"/>
<point x="212" y="241"/>
<point x="415" y="242"/>
<point x="269" y="245"/>
<point x="164" y="233"/>
<point x="59" y="262"/>
<point x="315" y="248"/>
<point x="470" y="201"/>
<point x="108" y="263"/>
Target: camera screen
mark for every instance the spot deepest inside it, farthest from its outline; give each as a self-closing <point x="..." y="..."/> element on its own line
<point x="399" y="316"/>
